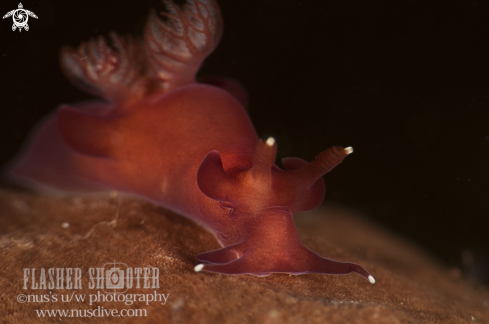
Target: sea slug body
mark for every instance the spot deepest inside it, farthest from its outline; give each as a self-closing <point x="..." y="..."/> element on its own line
<point x="188" y="146"/>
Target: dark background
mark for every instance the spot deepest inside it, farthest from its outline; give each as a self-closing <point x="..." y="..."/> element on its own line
<point x="406" y="83"/>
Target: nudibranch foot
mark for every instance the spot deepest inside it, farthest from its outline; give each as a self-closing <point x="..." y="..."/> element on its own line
<point x="228" y="261"/>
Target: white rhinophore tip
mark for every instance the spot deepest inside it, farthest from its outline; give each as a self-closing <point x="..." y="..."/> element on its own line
<point x="349" y="150"/>
<point x="270" y="141"/>
<point x="199" y="267"/>
<point x="370" y="278"/>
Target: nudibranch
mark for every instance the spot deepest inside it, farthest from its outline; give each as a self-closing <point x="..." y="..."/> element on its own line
<point x="191" y="147"/>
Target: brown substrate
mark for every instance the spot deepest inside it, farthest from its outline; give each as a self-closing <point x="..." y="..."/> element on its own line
<point x="47" y="232"/>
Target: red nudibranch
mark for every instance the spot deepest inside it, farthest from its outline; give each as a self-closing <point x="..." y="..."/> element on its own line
<point x="187" y="146"/>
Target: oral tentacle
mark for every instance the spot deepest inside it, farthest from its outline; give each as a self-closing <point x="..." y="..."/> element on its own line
<point x="224" y="255"/>
<point x="322" y="265"/>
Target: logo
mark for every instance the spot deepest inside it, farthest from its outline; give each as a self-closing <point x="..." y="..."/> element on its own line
<point x="20" y="17"/>
<point x="114" y="277"/>
<point x="112" y="281"/>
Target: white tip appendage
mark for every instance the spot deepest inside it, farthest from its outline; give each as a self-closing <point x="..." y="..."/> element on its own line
<point x="349" y="150"/>
<point x="199" y="267"/>
<point x="270" y="141"/>
<point x="370" y="278"/>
